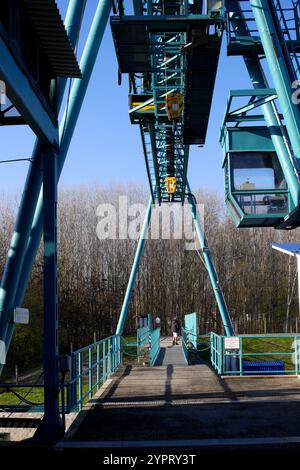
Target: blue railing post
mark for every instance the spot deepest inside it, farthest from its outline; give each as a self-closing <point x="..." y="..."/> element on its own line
<point x="90" y="372"/>
<point x="73" y="380"/>
<point x="221" y="354"/>
<point x="80" y="388"/>
<point x="98" y="365"/>
<point x="109" y="358"/>
<point x="241" y="355"/>
<point x="119" y="349"/>
<point x="296" y="342"/>
<point x="104" y="363"/>
<point x="112" y="353"/>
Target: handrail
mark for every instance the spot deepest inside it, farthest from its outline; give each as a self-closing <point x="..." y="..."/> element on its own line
<point x="236" y="361"/>
<point x="92" y="366"/>
<point x="185" y="344"/>
<point x="154" y="345"/>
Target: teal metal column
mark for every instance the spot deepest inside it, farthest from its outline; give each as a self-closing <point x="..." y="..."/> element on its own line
<point x="51" y="424"/>
<point x="279" y="65"/>
<point x="228" y="327"/>
<point x="29" y="200"/>
<point x="67" y="128"/>
<point x="134" y="269"/>
<point x="270" y="113"/>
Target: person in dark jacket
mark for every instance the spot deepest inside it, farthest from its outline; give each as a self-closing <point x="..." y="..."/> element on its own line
<point x="176" y="329"/>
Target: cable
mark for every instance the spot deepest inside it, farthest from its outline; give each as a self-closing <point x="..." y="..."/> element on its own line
<point x="21" y="398"/>
<point x="17" y="160"/>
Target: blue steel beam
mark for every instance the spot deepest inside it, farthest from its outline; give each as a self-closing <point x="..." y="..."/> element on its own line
<point x="51" y="425"/>
<point x="134" y="269"/>
<point x="227" y="324"/>
<point x="39" y="116"/>
<point x="30" y="196"/>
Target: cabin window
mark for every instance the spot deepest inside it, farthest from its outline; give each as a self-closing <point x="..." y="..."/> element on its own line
<point x="257" y="171"/>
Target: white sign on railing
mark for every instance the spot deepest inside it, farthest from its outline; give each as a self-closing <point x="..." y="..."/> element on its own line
<point x="232" y="342"/>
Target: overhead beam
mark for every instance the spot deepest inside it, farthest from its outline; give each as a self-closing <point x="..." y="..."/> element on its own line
<point x="21" y="93"/>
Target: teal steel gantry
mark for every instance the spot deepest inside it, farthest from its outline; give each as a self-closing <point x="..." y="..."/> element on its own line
<point x="170" y="49"/>
<point x="39" y="202"/>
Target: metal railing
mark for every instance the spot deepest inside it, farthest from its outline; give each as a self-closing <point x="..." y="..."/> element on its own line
<point x="142" y="340"/>
<point x="271" y="354"/>
<point x="216" y="352"/>
<point x="288" y="16"/>
<point x="154" y="345"/>
<point x="139" y="347"/>
<point x="91" y="367"/>
<point x="185" y="343"/>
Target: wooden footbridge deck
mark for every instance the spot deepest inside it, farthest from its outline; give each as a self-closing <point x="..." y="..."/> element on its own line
<point x="173" y="401"/>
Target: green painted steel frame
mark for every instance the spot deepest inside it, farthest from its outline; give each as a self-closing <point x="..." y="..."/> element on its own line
<point x="154" y="345"/>
<point x="142" y="340"/>
<point x="254" y="41"/>
<point x="185" y="344"/>
<point x="232" y="123"/>
<point x="191" y="327"/>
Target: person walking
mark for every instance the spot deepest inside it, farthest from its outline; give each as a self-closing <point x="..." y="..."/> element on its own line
<point x="176" y="329"/>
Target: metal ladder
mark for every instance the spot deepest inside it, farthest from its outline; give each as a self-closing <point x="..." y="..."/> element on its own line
<point x="290" y="32"/>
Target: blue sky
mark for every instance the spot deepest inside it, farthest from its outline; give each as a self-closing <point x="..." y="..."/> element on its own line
<point x="106" y="148"/>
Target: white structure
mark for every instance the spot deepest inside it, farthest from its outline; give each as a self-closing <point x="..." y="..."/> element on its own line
<point x="292" y="249"/>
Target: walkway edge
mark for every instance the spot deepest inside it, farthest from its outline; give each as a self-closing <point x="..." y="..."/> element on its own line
<point x="255" y="441"/>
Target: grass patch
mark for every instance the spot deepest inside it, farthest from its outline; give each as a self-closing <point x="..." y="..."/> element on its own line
<point x="274" y="349"/>
<point x="36" y="395"/>
<point x="129" y="350"/>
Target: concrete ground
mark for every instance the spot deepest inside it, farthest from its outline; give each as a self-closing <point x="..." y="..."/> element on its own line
<point x="170" y="354"/>
<point x="175" y="401"/>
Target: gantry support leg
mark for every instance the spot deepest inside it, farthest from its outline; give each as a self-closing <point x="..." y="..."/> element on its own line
<point x="51" y="425"/>
<point x="32" y="188"/>
<point x="134" y="269"/>
<point x="13" y="293"/>
<point x="228" y="327"/>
